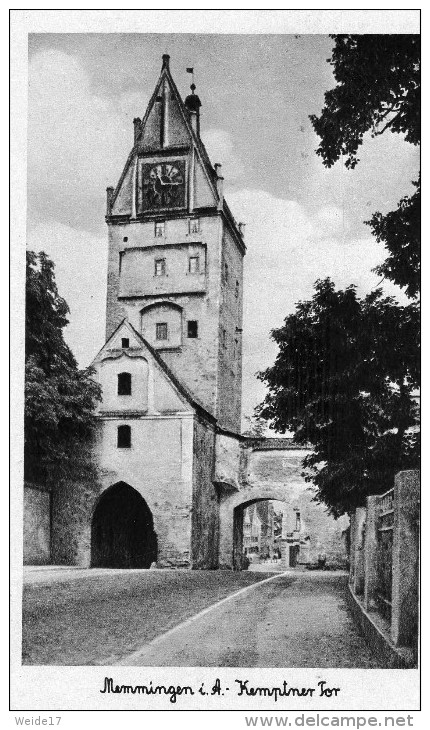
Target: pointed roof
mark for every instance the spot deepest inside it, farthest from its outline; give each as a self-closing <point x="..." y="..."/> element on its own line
<point x="182" y="132"/>
<point x="182" y="390"/>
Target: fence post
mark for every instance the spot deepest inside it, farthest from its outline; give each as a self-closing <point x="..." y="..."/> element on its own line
<point x="370" y="554"/>
<point x="404" y="616"/>
<point x="351" y="547"/>
<point x="360" y="521"/>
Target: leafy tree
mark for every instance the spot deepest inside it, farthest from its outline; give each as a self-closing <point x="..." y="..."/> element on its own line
<point x="59" y="398"/>
<point x="347" y="367"/>
<point x="400" y="230"/>
<point x="378" y="89"/>
<point x="342" y="381"/>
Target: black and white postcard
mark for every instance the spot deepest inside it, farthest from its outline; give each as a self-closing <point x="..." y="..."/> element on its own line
<point x="215" y="259"/>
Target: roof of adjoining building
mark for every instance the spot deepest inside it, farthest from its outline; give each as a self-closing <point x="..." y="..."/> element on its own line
<point x="273" y="444"/>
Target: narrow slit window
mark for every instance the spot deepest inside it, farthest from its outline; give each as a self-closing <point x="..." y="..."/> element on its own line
<point x="159" y="229"/>
<point x="193" y="328"/>
<point x="124" y="384"/>
<point x="236" y="291"/>
<point x="161" y="332"/>
<point x="194" y="265"/>
<point x="226" y="272"/>
<point x="124" y="437"/>
<point x="194" y="225"/>
<point x="160" y="267"/>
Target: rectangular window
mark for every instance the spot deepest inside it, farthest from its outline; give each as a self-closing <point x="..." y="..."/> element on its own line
<point x="193" y="265"/>
<point x="159" y="229"/>
<point x="194" y="225"/>
<point x="124" y="437"/>
<point x="161" y="331"/>
<point x="124" y="383"/>
<point x="125" y="342"/>
<point x="193" y="328"/>
<point x="160" y="267"/>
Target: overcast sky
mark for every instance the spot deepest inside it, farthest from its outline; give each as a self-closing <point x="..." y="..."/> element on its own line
<point x="303" y="222"/>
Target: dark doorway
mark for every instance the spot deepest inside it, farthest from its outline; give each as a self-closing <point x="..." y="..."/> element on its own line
<point x="294" y="555"/>
<point x="122" y="530"/>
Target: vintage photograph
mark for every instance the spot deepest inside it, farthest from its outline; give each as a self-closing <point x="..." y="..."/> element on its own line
<point x="222" y="368"/>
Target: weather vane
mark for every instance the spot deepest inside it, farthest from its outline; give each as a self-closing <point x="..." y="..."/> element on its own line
<point x="190" y="70"/>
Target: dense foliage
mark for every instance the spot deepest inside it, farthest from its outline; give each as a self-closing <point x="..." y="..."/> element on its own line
<point x="400" y="231"/>
<point x="59" y="398"/>
<point x="342" y="381"/>
<point x="377" y="89"/>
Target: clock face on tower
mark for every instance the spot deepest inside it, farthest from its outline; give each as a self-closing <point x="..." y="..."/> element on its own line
<point x="163" y="185"/>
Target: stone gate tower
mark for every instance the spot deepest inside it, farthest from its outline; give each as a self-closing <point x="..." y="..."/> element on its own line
<point x="170" y="369"/>
<point x="176" y="254"/>
<point x="168" y="474"/>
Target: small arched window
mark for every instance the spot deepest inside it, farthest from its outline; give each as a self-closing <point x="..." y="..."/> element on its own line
<point x="124" y="384"/>
<point x="124" y="437"/>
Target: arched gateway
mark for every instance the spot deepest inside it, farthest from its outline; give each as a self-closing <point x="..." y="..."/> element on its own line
<point x="238" y="528"/>
<point x="122" y="530"/>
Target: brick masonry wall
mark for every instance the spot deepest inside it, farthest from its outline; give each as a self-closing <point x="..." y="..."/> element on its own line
<point x="37" y="526"/>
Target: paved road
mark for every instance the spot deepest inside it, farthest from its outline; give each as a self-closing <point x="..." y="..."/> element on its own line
<point x="97" y="616"/>
<point x="137" y="617"/>
<point x="295" y="620"/>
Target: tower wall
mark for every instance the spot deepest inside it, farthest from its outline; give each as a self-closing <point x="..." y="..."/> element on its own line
<point x="230" y="335"/>
<point x="210" y="365"/>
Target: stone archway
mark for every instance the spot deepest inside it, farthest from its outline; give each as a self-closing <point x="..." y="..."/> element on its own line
<point x="231" y="519"/>
<point x="238" y="528"/>
<point x="122" y="530"/>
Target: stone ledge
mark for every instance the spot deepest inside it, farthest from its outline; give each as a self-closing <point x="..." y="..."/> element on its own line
<point x="378" y="637"/>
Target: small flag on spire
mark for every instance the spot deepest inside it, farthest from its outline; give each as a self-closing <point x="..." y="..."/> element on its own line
<point x="190" y="70"/>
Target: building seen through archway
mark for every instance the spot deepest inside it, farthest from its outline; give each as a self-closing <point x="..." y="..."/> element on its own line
<point x="270" y="532"/>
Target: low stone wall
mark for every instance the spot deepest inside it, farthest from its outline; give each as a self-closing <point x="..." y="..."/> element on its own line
<point x="37" y="525"/>
<point x="384" y="574"/>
